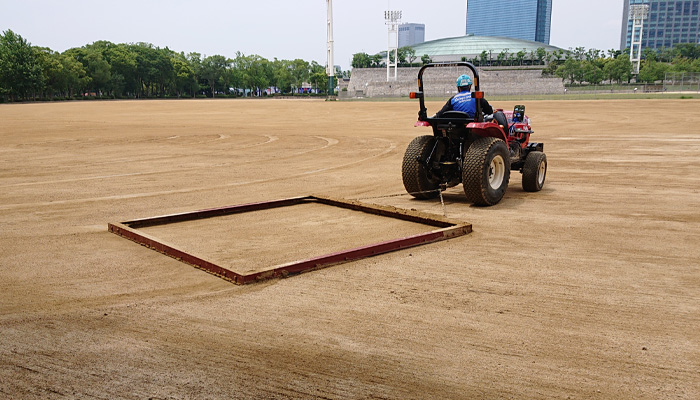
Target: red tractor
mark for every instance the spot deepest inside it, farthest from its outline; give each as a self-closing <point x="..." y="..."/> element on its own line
<point x="478" y="152"/>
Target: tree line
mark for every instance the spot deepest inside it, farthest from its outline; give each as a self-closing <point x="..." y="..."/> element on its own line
<point x="142" y="70"/>
<point x="682" y="58"/>
<point x="407" y="57"/>
<point x="576" y="65"/>
<point x="593" y="67"/>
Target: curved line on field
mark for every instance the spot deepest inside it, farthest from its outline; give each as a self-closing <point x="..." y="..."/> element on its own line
<point x="269" y="140"/>
<point x="329" y="143"/>
<point x="391" y="147"/>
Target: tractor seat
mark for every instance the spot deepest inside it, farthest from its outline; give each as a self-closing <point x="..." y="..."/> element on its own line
<point x="455" y="117"/>
<point x="502" y="120"/>
<point x="455" y="114"/>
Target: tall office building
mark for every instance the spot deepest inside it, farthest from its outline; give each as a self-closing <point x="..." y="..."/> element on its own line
<point x="410" y="34"/>
<point x="669" y="22"/>
<point x="517" y="19"/>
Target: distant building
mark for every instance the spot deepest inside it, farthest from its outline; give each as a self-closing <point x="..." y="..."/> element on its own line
<point x="410" y="34"/>
<point x="470" y="46"/>
<point x="668" y="23"/>
<point x="517" y="19"/>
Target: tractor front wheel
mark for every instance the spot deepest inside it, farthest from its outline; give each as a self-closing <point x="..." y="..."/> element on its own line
<point x="486" y="171"/>
<point x="417" y="180"/>
<point x="534" y="171"/>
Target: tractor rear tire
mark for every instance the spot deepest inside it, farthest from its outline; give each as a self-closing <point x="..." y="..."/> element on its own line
<point x="416" y="178"/>
<point x="486" y="171"/>
<point x="534" y="171"/>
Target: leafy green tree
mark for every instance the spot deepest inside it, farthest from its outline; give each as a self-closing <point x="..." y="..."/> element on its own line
<point x="74" y="78"/>
<point x="540" y="55"/>
<point x="100" y="71"/>
<point x="122" y="61"/>
<point x="682" y="64"/>
<point x="560" y="55"/>
<point x="300" y="72"/>
<point x="195" y="61"/>
<point x="361" y="60"/>
<point x="483" y="57"/>
<point x="97" y="68"/>
<point x="696" y="65"/>
<point x="619" y="69"/>
<point x="652" y="71"/>
<point x="377" y="61"/>
<point x="666" y="54"/>
<point x="20" y="70"/>
<point x="184" y="79"/>
<point x="214" y="73"/>
<point x="614" y="53"/>
<point x="649" y="54"/>
<point x="410" y="54"/>
<point x="153" y="67"/>
<point x="592" y="73"/>
<point x="255" y="72"/>
<point x="425" y="59"/>
<point x="318" y="77"/>
<point x="406" y="55"/>
<point x="688" y="50"/>
<point x="571" y="70"/>
<point x="593" y="54"/>
<point x="52" y="71"/>
<point x="503" y="55"/>
<point x="282" y="75"/>
<point x="166" y="73"/>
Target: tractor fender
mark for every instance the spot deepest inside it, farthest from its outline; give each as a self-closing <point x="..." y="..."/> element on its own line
<point x="488" y="129"/>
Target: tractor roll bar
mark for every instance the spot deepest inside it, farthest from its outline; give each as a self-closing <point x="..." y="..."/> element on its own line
<point x="423" y="113"/>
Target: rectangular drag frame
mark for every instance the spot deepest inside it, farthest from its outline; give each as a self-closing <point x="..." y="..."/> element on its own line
<point x="447" y="230"/>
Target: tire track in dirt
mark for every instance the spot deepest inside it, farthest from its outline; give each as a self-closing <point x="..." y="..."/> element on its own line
<point x="269" y="140"/>
<point x="329" y="143"/>
<point x="390" y="147"/>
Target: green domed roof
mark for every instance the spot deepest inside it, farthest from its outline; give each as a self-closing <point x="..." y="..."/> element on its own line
<point x="473" y="45"/>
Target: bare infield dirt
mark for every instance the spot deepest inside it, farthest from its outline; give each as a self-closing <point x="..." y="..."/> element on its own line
<point x="589" y="289"/>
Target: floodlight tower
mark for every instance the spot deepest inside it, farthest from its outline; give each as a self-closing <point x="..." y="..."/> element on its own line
<point x="392" y="19"/>
<point x="330" y="68"/>
<point x="638" y="13"/>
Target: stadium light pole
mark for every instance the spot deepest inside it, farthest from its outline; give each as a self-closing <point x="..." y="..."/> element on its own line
<point x="392" y="19"/>
<point x="330" y="68"/>
<point x="638" y="13"/>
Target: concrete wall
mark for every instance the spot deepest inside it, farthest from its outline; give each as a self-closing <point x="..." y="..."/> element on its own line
<point x="440" y="82"/>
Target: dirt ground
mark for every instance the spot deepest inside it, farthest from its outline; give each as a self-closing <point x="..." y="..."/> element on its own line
<point x="589" y="289"/>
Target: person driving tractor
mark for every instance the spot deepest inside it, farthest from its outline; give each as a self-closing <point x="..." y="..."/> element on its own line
<point x="463" y="100"/>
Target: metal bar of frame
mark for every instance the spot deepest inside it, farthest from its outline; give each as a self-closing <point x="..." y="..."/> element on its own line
<point x="448" y="229"/>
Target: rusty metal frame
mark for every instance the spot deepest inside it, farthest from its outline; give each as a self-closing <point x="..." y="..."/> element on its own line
<point x="448" y="229"/>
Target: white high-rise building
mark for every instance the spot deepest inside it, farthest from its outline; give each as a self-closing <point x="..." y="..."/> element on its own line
<point x="410" y="34"/>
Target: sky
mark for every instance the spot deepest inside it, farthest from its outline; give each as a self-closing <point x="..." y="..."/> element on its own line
<point x="283" y="29"/>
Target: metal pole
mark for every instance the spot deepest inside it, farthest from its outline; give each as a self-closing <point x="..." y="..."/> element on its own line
<point x="683" y="82"/>
<point x="638" y="13"/>
<point x="330" y="68"/>
<point x="665" y="77"/>
<point x="392" y="19"/>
